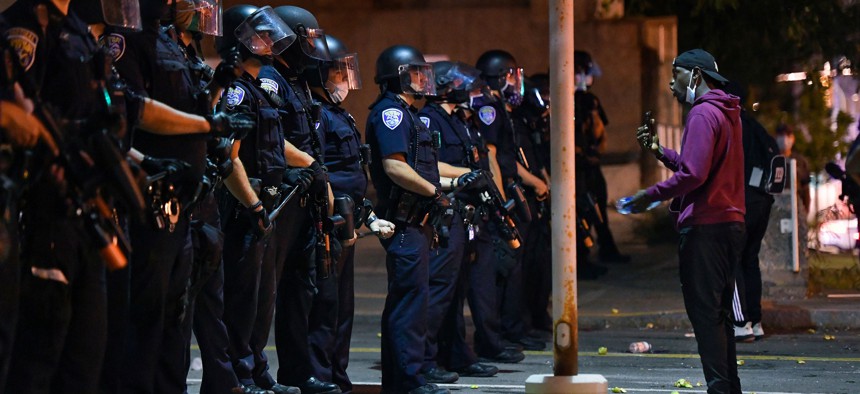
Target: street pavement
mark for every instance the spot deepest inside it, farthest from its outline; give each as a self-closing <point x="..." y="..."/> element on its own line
<point x="639" y="301"/>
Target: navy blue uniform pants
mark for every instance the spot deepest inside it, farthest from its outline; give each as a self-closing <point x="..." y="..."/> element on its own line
<point x="483" y="297"/>
<point x="510" y="292"/>
<point x="330" y="323"/>
<point x="208" y="326"/>
<point x="60" y="339"/>
<point x="404" y="319"/>
<point x="445" y="264"/>
<point x="243" y="256"/>
<point x="155" y="357"/>
<point x="709" y="255"/>
<point x="295" y="293"/>
<point x="10" y="287"/>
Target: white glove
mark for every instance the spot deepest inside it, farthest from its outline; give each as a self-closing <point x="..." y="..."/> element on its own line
<point x="382" y="228"/>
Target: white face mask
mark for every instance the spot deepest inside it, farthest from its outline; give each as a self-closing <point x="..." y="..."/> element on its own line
<point x="583" y="81"/>
<point x="337" y="91"/>
<point x="691" y="90"/>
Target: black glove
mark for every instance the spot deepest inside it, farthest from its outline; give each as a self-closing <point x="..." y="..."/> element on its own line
<point x="301" y="178"/>
<point x="235" y="125"/>
<point x="467" y="178"/>
<point x="260" y="223"/>
<point x="441" y="201"/>
<point x="228" y="70"/>
<point x="320" y="181"/>
<point x="155" y="165"/>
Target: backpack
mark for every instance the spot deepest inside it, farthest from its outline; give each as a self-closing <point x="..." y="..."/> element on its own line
<point x="764" y="167"/>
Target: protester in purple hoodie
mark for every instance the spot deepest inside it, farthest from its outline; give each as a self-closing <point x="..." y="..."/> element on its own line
<point x="708" y="193"/>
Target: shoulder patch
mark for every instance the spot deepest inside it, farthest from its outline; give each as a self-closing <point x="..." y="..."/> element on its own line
<point x="24" y="41"/>
<point x="115" y="45"/>
<point x="269" y="85"/>
<point x="487" y="114"/>
<point x="425" y="120"/>
<point x="392" y="118"/>
<point x="234" y="96"/>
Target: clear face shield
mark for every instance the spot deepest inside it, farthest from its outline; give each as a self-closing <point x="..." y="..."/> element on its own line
<point x="514" y="87"/>
<point x="464" y="80"/>
<point x="313" y="43"/>
<point x="202" y="16"/>
<point x="417" y="79"/>
<point x="122" y="13"/>
<point x="343" y="76"/>
<point x="264" y="33"/>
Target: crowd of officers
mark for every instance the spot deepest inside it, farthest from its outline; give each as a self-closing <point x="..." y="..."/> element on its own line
<point x="147" y="196"/>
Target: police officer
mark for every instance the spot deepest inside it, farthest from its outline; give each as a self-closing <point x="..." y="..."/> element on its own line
<point x="459" y="155"/>
<point x="300" y="249"/>
<point x="331" y="318"/>
<point x="504" y="78"/>
<point x="258" y="158"/>
<point x="18" y="130"/>
<point x="406" y="177"/>
<point x="61" y="329"/>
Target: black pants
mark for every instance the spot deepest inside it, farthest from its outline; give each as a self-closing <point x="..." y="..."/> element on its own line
<point x="708" y="256"/>
<point x="483" y="298"/>
<point x="596" y="184"/>
<point x="60" y="339"/>
<point x="10" y="279"/>
<point x="747" y="301"/>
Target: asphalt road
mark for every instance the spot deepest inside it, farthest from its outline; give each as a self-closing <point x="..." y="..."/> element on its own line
<point x="798" y="362"/>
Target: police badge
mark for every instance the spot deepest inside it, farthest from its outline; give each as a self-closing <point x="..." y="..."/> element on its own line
<point x="487" y="114"/>
<point x="392" y="118"/>
<point x="24" y="42"/>
<point x="234" y="96"/>
<point x="115" y="44"/>
<point x="425" y="120"/>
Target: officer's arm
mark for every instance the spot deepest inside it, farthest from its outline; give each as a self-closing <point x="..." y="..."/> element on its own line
<point x="159" y="118"/>
<point x="530" y="180"/>
<point x="448" y="174"/>
<point x="237" y="182"/>
<point x="403" y="175"/>
<point x="495" y="169"/>
<point x="296" y="157"/>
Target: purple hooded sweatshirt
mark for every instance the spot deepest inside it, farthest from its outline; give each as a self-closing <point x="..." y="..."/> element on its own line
<point x="708" y="184"/>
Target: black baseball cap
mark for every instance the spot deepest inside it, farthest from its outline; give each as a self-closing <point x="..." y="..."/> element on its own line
<point x="701" y="59"/>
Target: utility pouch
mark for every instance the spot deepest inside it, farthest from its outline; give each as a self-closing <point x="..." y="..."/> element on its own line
<point x="515" y="191"/>
<point x="344" y="206"/>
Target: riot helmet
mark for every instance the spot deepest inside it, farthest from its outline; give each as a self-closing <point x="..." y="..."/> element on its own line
<point x="402" y="69"/>
<point x="312" y="43"/>
<point x="586" y="69"/>
<point x="201" y="16"/>
<point x="253" y="31"/>
<point x="337" y="76"/>
<point x="118" y="13"/>
<point x="456" y="82"/>
<point x="500" y="70"/>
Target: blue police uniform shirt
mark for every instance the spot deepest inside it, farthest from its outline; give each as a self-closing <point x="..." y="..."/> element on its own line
<point x="155" y="66"/>
<point x="262" y="150"/>
<point x="493" y="125"/>
<point x="342" y="142"/>
<point x="460" y="144"/>
<point x="393" y="127"/>
<point x="296" y="116"/>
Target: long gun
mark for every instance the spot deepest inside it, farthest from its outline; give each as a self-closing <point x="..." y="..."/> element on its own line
<point x="501" y="211"/>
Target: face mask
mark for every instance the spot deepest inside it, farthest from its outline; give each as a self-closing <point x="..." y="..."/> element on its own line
<point x="691" y="91"/>
<point x="583" y="81"/>
<point x="512" y="95"/>
<point x="478" y="101"/>
<point x="337" y="91"/>
<point x="784" y="143"/>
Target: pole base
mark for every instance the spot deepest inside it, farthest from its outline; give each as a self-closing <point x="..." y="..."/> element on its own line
<point x="579" y="384"/>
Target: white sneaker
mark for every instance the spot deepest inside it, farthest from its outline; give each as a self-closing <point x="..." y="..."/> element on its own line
<point x="745" y="333"/>
<point x="758" y="332"/>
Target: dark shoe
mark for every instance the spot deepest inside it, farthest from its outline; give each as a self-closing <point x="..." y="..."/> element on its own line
<point x="531" y="344"/>
<point x="478" y="370"/>
<point x="278" y="388"/>
<point x="429" y="389"/>
<point x="314" y="386"/>
<point x="440" y="375"/>
<point x="249" y="389"/>
<point x="505" y="357"/>
<point x="615" y="258"/>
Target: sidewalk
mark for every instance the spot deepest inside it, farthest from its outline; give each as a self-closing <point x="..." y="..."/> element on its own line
<point x="647" y="291"/>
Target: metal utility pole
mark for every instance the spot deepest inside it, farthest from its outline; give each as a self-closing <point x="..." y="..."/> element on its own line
<point x="565" y="378"/>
